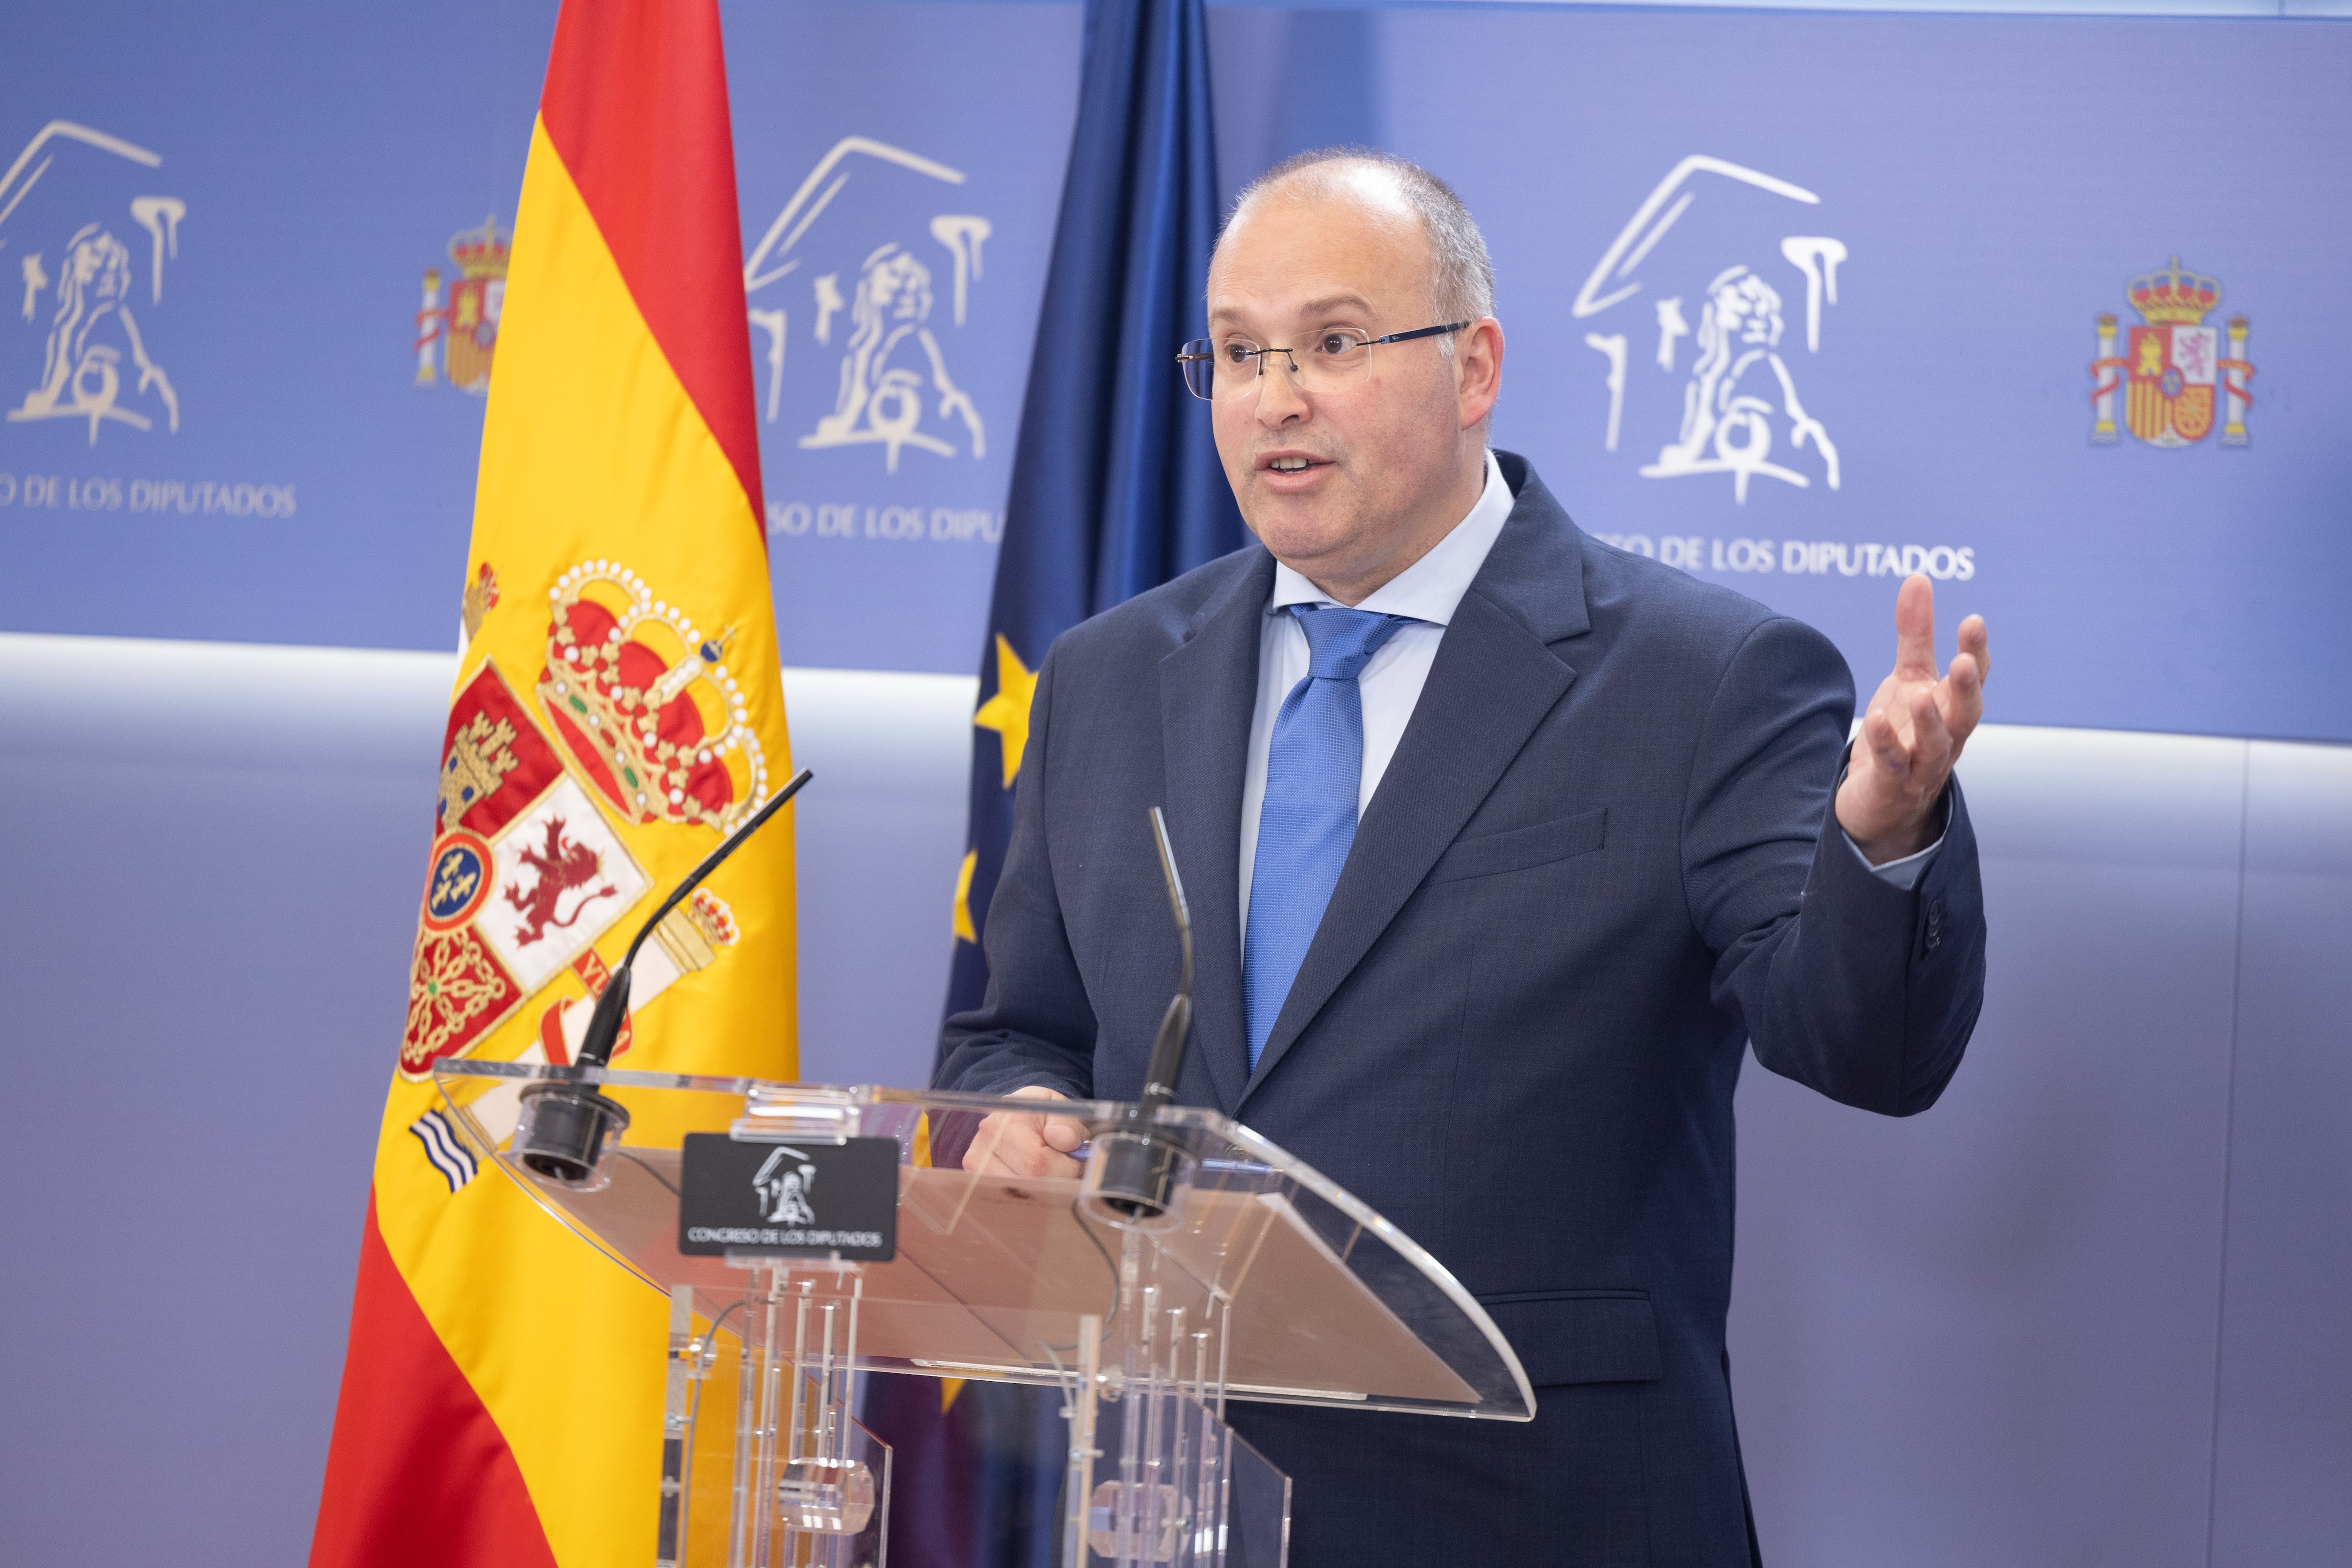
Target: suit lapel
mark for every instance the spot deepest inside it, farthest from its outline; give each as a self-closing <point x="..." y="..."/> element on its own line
<point x="1208" y="689"/>
<point x="1493" y="681"/>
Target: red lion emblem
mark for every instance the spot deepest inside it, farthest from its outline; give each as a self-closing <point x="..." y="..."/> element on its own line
<point x="563" y="865"/>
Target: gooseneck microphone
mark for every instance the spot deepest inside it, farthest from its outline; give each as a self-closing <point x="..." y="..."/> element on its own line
<point x="1176" y="1024"/>
<point x="605" y="1023"/>
<point x="1131" y="1177"/>
<point x="561" y="1132"/>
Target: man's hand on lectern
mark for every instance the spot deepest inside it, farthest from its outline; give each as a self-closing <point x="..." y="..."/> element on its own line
<point x="1020" y="1143"/>
<point x="1911" y="732"/>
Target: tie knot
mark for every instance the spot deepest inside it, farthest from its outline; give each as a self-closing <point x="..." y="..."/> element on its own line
<point x="1339" y="643"/>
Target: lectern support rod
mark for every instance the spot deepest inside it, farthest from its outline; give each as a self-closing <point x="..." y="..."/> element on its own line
<point x="1079" y="1487"/>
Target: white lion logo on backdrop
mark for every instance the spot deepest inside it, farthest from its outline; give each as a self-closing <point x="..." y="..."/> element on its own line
<point x="880" y="401"/>
<point x="893" y="389"/>
<point x="1725" y="430"/>
<point x="92" y="330"/>
<point x="80" y="373"/>
<point x="1740" y="401"/>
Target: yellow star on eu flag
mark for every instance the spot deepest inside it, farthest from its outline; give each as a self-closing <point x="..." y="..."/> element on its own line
<point x="964" y="929"/>
<point x="1007" y="712"/>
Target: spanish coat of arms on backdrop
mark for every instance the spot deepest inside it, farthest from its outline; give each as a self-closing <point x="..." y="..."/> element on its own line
<point x="2174" y="373"/>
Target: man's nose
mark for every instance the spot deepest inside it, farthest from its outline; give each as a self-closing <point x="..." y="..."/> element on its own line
<point x="1279" y="399"/>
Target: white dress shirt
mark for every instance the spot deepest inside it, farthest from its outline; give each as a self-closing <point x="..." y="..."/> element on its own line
<point x="1428" y="592"/>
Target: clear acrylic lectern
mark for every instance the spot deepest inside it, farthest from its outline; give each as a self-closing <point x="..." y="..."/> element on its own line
<point x="1262" y="1280"/>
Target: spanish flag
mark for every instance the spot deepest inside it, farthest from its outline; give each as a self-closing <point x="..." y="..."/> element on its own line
<point x="618" y="709"/>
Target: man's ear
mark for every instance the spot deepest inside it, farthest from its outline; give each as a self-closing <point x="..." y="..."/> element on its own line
<point x="1478" y="370"/>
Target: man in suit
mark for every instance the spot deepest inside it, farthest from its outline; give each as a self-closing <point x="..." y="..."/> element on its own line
<point x="1501" y="844"/>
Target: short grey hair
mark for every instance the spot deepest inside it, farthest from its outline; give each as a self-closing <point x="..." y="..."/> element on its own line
<point x="1462" y="276"/>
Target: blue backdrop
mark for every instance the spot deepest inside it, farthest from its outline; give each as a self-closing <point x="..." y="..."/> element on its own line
<point x="1728" y="246"/>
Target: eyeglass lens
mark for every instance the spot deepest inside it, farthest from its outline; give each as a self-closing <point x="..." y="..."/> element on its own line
<point x="1215" y="369"/>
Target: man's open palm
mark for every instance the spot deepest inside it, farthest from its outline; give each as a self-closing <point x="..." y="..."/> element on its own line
<point x="1911" y="732"/>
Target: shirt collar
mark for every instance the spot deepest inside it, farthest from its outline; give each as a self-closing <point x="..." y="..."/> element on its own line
<point x="1430" y="588"/>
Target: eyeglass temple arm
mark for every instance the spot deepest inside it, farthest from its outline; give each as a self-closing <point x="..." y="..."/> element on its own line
<point x="1422" y="333"/>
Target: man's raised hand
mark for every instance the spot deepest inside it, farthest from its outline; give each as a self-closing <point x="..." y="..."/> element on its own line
<point x="1911" y="732"/>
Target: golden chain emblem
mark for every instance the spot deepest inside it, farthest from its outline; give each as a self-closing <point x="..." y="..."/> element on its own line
<point x="454" y="983"/>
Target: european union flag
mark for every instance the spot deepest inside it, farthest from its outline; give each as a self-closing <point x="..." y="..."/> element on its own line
<point x="1116" y="489"/>
<point x="1116" y="485"/>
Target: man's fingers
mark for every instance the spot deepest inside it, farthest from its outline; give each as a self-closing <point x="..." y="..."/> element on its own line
<point x="1886" y="746"/>
<point x="1914" y="629"/>
<point x="1931" y="738"/>
<point x="1005" y="1140"/>
<point x="1043" y="1162"/>
<point x="1961" y="698"/>
<point x="1054" y="1131"/>
<point x="1966" y="675"/>
<point x="1976" y="641"/>
<point x="1019" y="1149"/>
<point x="1018" y="1143"/>
<point x="1915" y="724"/>
<point x="988" y="1145"/>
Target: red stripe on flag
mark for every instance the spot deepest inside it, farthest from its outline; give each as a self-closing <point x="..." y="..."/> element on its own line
<point x="636" y="101"/>
<point x="418" y="1471"/>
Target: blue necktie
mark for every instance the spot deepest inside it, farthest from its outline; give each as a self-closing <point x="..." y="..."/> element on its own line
<point x="1314" y="774"/>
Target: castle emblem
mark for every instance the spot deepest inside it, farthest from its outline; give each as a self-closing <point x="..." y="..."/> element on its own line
<point x="467" y="326"/>
<point x="478" y="758"/>
<point x="2172" y="369"/>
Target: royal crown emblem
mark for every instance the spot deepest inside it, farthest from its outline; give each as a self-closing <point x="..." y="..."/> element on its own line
<point x="481" y="252"/>
<point x="641" y="699"/>
<point x="2172" y="365"/>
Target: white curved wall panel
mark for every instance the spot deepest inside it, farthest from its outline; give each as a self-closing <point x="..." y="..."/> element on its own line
<point x="2089" y="1310"/>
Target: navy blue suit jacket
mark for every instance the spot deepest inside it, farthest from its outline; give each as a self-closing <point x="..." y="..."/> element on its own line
<point x="1600" y="862"/>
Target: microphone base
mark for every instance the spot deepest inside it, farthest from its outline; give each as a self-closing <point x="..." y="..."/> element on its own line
<point x="565" y="1132"/>
<point x="1136" y="1181"/>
